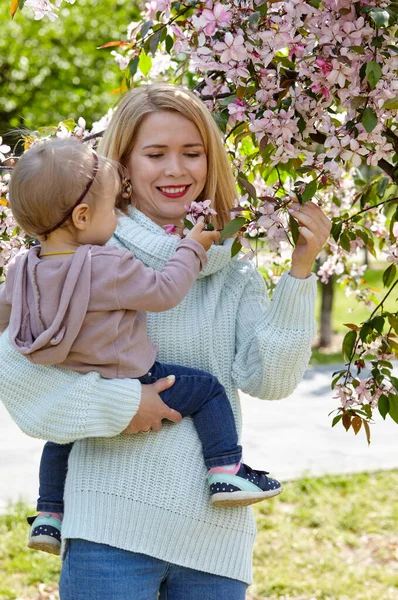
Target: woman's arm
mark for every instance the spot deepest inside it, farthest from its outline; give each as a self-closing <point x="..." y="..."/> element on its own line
<point x="273" y="339"/>
<point x="62" y="406"/>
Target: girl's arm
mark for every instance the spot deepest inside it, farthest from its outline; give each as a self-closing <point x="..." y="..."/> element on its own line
<point x="273" y="339"/>
<point x="60" y="405"/>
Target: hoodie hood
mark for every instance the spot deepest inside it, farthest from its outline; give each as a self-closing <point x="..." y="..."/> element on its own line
<point x="50" y="342"/>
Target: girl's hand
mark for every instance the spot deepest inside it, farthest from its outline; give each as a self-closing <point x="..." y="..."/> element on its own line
<point x="314" y="229"/>
<point x="206" y="238"/>
<point x="152" y="409"/>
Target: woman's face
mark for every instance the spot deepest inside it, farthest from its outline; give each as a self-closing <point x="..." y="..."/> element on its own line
<point x="167" y="167"/>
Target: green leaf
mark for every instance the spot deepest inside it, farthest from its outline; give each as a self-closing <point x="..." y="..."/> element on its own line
<point x="248" y="187"/>
<point x="336" y="230"/>
<point x="383" y="405"/>
<point x="145" y="63"/>
<point x="391" y="104"/>
<point x="232" y="227"/>
<point x="294" y="228"/>
<point x="145" y="28"/>
<point x="358" y="49"/>
<point x="393" y="410"/>
<point x="389" y="275"/>
<point x="382" y="186"/>
<point x="373" y="73"/>
<point x="377" y="323"/>
<point x="369" y="119"/>
<point x="380" y="17"/>
<point x="345" y="241"/>
<point x="236" y="247"/>
<point x="169" y="43"/>
<point x="366" y="329"/>
<point x="336" y="420"/>
<point x="154" y="41"/>
<point x="348" y="344"/>
<point x="221" y="118"/>
<point x="309" y="190"/>
<point x="188" y="224"/>
<point x="133" y="65"/>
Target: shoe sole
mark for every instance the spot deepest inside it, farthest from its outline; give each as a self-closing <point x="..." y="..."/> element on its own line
<point x="45" y="544"/>
<point x="242" y="498"/>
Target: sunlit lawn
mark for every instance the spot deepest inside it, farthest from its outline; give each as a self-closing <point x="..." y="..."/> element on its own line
<point x="331" y="538"/>
<point x="349" y="310"/>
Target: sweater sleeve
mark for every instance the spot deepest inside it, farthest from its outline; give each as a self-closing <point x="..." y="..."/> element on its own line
<point x="62" y="406"/>
<point x="5" y="308"/>
<point x="273" y="339"/>
<point x="142" y="288"/>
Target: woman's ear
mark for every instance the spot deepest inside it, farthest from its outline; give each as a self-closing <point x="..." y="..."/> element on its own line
<point x="81" y="216"/>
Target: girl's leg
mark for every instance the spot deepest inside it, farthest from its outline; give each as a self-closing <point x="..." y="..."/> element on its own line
<point x="53" y="468"/>
<point x="200" y="395"/>
<point x="93" y="571"/>
<point x="187" y="584"/>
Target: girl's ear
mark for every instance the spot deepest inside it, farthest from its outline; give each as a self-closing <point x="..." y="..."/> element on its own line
<point x="81" y="216"/>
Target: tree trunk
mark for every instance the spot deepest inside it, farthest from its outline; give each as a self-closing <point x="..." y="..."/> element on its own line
<point x="326" y="334"/>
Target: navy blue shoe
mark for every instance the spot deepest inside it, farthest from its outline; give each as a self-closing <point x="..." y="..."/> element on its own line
<point x="246" y="487"/>
<point x="45" y="534"/>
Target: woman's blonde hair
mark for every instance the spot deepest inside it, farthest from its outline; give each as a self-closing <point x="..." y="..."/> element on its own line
<point x="50" y="177"/>
<point x="121" y="134"/>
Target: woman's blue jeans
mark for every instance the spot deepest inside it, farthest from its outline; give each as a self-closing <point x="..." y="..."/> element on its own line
<point x="99" y="572"/>
<point x="196" y="394"/>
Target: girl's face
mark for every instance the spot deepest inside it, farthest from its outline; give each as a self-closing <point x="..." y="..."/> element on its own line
<point x="167" y="167"/>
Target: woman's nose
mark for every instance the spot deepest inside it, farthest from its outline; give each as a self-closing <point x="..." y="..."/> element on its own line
<point x="174" y="167"/>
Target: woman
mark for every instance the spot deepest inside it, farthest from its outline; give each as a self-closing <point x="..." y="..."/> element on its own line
<point x="137" y="514"/>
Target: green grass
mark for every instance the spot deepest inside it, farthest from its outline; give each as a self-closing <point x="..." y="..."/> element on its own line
<point x="349" y="310"/>
<point x="329" y="538"/>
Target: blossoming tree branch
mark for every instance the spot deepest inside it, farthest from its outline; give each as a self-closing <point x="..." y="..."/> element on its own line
<point x="306" y="94"/>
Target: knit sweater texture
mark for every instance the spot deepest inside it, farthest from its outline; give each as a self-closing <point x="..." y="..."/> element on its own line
<point x="148" y="493"/>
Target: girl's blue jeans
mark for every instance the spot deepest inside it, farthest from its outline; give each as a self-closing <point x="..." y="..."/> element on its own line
<point x="196" y="394"/>
<point x="93" y="571"/>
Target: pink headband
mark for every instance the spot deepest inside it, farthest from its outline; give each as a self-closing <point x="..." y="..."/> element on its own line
<point x="79" y="200"/>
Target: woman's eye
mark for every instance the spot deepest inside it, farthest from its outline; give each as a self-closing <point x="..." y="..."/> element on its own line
<point x="192" y="155"/>
<point x="155" y="155"/>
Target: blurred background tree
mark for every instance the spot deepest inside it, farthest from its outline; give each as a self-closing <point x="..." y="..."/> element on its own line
<point x="50" y="71"/>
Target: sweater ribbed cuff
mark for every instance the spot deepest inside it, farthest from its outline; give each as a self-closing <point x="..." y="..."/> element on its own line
<point x="114" y="402"/>
<point x="293" y="303"/>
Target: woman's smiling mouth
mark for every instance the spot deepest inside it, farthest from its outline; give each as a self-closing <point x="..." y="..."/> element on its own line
<point x="174" y="191"/>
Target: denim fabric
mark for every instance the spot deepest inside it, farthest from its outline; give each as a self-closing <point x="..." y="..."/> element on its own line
<point x="200" y="395"/>
<point x="196" y="394"/>
<point x="93" y="571"/>
<point x="52" y="475"/>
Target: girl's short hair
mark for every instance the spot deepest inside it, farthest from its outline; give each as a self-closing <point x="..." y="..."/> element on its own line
<point x="121" y="134"/>
<point x="49" y="178"/>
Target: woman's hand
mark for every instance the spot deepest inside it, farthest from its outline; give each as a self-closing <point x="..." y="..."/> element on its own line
<point x="314" y="229"/>
<point x="152" y="409"/>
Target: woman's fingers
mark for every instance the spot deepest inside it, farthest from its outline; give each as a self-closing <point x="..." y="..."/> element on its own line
<point x="152" y="409"/>
<point x="311" y="217"/>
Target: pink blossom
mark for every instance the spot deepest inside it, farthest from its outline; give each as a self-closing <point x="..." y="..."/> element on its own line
<point x="212" y="19"/>
<point x="317" y="88"/>
<point x="232" y="48"/>
<point x="237" y="111"/>
<point x="325" y="66"/>
<point x="170" y="228"/>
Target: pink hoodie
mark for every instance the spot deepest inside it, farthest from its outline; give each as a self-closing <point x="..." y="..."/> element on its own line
<point x="86" y="312"/>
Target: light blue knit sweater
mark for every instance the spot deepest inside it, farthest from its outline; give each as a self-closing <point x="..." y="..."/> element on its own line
<point x="148" y="493"/>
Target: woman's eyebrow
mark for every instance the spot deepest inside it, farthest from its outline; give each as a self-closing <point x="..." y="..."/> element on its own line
<point x="165" y="146"/>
